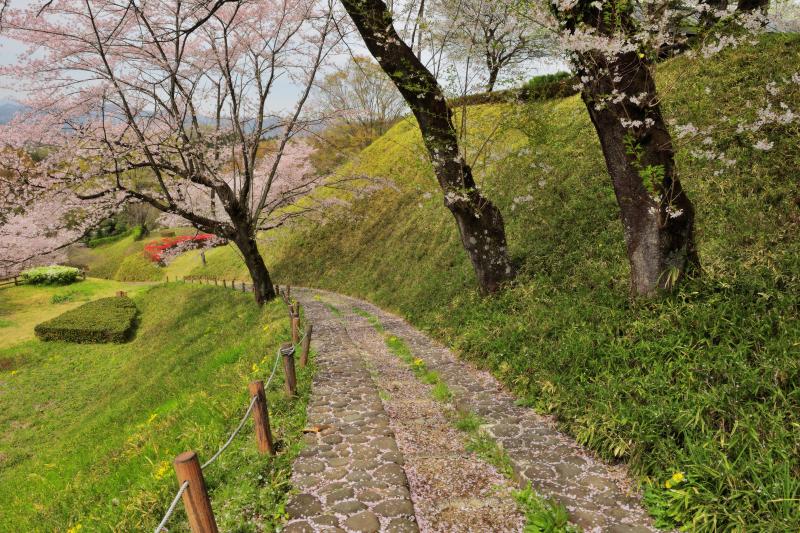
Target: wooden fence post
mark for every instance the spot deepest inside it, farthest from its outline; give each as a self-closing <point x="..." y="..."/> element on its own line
<point x="288" y="292"/>
<point x="224" y="283"/>
<point x="295" y="328"/>
<point x="287" y="351"/>
<point x="215" y="281"/>
<point x="261" y="418"/>
<point x="243" y="286"/>
<point x="306" y="346"/>
<point x="16" y="281"/>
<point x="195" y="498"/>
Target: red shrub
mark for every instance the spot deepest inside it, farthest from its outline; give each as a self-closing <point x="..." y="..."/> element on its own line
<point x="153" y="250"/>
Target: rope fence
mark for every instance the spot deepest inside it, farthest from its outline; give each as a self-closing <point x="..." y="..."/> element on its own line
<point x="188" y="469"/>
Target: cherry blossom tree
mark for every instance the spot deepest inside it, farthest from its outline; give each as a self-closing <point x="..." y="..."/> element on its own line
<point x="479" y="221"/>
<point x="614" y="48"/>
<point x="166" y="103"/>
<point x="492" y="32"/>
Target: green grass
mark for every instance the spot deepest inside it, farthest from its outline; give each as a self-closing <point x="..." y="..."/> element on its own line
<point x="335" y="311"/>
<point x="122" y="258"/>
<point x="705" y="381"/>
<point x="22" y="307"/>
<point x="372" y="319"/>
<point x="89" y="431"/>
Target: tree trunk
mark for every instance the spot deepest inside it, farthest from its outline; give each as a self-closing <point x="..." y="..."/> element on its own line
<point x="750" y="6"/>
<point x="494" y="72"/>
<point x="262" y="283"/>
<point x="657" y="216"/>
<point x="480" y="223"/>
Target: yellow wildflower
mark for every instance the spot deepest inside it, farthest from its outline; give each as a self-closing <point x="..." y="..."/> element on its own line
<point x="668" y="484"/>
<point x="152" y="417"/>
<point x="255" y="368"/>
<point x="75" y="528"/>
<point x="418" y="362"/>
<point x="677" y="477"/>
<point x="162" y="470"/>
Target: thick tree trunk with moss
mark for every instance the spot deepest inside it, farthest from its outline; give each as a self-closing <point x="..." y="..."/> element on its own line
<point x="657" y="216"/>
<point x="480" y="223"/>
<point x="262" y="282"/>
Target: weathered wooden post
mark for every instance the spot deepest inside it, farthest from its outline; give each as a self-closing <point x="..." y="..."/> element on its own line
<point x="243" y="287"/>
<point x="216" y="281"/>
<point x="287" y="351"/>
<point x="261" y="418"/>
<point x="288" y="292"/>
<point x="195" y="497"/>
<point x="16" y="281"/>
<point x="295" y="328"/>
<point x="306" y="346"/>
<point x="224" y="283"/>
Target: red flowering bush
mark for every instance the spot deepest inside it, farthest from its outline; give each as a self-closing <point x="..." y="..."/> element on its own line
<point x="154" y="250"/>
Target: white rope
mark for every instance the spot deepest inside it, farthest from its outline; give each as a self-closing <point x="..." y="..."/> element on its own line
<point x="233" y="435"/>
<point x="274" y="368"/>
<point x="253" y="400"/>
<point x="171" y="508"/>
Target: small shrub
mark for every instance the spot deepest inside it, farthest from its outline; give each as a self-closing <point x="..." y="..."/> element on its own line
<point x="139" y="233"/>
<point x="100" y="241"/>
<point x="51" y="275"/>
<point x="62" y="298"/>
<point x="104" y="320"/>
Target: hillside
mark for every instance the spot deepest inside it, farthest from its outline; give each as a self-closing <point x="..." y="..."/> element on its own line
<point x="90" y="430"/>
<point x="705" y="382"/>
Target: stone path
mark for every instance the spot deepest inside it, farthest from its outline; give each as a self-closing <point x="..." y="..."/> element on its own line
<point x="355" y="474"/>
<point x="350" y="472"/>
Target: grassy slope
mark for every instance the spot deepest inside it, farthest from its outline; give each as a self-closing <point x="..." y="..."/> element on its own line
<point x="89" y="431"/>
<point x="21" y="308"/>
<point x="704" y="382"/>
<point x="122" y="260"/>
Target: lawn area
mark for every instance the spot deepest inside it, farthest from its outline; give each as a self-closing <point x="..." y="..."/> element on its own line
<point x="88" y="432"/>
<point x="22" y="307"/>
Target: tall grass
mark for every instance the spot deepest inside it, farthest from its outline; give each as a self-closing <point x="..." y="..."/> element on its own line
<point x="90" y="431"/>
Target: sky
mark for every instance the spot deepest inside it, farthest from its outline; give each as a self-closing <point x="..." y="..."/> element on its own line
<point x="283" y="97"/>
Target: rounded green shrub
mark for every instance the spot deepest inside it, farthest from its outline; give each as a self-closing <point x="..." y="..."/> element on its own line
<point x="51" y="275"/>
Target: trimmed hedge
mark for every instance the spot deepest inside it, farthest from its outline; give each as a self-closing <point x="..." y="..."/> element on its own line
<point x="104" y="320"/>
<point x="544" y="87"/>
<point x="51" y="275"/>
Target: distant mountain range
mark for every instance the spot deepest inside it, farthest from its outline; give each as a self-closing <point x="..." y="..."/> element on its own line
<point x="8" y="110"/>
